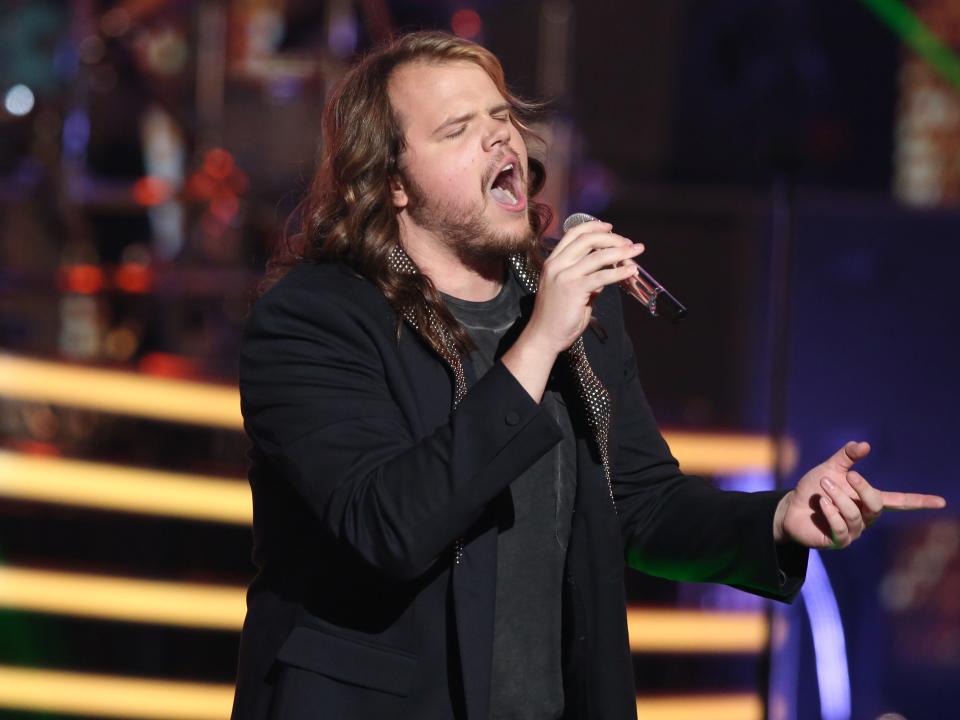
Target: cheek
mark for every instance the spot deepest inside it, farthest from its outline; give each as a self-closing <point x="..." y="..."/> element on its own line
<point x="462" y="172"/>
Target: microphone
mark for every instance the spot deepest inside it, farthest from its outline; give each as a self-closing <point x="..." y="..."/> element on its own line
<point x="643" y="288"/>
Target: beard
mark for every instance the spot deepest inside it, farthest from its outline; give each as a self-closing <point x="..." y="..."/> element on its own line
<point x="465" y="230"/>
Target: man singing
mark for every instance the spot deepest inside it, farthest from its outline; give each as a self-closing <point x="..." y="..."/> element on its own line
<point x="452" y="457"/>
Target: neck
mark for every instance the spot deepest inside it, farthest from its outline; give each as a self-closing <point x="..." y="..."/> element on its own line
<point x="475" y="281"/>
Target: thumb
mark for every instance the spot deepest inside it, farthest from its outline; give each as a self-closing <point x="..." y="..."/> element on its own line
<point x="853" y="451"/>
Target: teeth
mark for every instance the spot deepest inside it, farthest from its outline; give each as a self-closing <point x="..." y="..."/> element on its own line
<point x="504" y="195"/>
<point x="509" y="166"/>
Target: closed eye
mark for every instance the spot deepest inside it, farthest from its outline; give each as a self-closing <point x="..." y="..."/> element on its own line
<point x="458" y="133"/>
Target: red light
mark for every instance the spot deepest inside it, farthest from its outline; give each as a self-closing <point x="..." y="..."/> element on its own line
<point x="168" y="365"/>
<point x="82" y="279"/>
<point x="218" y="163"/>
<point x="466" y="23"/>
<point x="133" y="278"/>
<point x="212" y="226"/>
<point x="200" y="186"/>
<point x="224" y="205"/>
<point x="239" y="182"/>
<point x="150" y="191"/>
<point x="36" y="447"/>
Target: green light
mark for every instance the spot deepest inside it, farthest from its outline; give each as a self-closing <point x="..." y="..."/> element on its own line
<point x="914" y="33"/>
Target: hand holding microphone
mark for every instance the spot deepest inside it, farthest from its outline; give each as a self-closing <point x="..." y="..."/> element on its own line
<point x="587" y="259"/>
<point x="642" y="286"/>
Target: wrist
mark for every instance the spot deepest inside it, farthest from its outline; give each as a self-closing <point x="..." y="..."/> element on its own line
<point x="779" y="517"/>
<point x="530" y="363"/>
<point x="538" y="344"/>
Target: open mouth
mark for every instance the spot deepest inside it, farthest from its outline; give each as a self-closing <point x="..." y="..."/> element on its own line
<point x="507" y="189"/>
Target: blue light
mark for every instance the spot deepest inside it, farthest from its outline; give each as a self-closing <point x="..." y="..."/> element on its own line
<point x="829" y="646"/>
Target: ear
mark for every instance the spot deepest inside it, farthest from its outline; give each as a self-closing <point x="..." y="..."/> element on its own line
<point x="398" y="192"/>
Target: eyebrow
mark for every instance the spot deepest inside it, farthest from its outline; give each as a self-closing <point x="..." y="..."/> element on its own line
<point x="469" y="116"/>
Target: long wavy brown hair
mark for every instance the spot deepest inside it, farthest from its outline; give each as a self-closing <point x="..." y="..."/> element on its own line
<point x="348" y="214"/>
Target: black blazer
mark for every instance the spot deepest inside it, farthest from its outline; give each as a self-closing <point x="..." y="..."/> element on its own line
<point x="363" y="479"/>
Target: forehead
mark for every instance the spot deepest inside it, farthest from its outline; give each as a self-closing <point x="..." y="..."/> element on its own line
<point x="425" y="94"/>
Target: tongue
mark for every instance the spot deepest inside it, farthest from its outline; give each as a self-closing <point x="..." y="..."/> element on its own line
<point x="503" y="196"/>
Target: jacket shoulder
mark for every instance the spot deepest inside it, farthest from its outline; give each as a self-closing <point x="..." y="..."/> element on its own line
<point x="324" y="279"/>
<point x="310" y="287"/>
<point x="325" y="303"/>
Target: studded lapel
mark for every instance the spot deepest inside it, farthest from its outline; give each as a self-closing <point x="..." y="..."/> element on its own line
<point x="593" y="393"/>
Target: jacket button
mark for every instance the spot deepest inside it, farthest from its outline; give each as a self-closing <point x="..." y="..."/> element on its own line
<point x="512" y="418"/>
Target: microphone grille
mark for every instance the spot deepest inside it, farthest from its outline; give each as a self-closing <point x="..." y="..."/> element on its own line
<point x="576" y="219"/>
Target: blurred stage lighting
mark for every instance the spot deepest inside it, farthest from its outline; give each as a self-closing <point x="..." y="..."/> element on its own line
<point x="19" y="100"/>
<point x="123" y="599"/>
<point x="81" y="483"/>
<point x="120" y="392"/>
<point x="696" y="631"/>
<point x="109" y="696"/>
<point x="702" y="707"/>
<point x="466" y="23"/>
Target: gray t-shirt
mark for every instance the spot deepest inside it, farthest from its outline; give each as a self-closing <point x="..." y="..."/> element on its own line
<point x="527" y="681"/>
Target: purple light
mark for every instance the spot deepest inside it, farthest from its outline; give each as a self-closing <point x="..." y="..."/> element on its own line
<point x="285" y="89"/>
<point x="747" y="481"/>
<point x="65" y="60"/>
<point x="594" y="188"/>
<point x="29" y="172"/>
<point x="829" y="646"/>
<point x="342" y="36"/>
<point x="76" y="132"/>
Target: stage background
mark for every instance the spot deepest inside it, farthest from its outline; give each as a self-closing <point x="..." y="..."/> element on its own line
<point x="792" y="167"/>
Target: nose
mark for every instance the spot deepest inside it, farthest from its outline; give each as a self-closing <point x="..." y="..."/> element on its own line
<point x="498" y="133"/>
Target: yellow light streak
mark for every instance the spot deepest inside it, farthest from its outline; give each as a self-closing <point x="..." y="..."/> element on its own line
<point x="127" y="489"/>
<point x="194" y="605"/>
<point x="694" y="631"/>
<point x="128" y="393"/>
<point x="124" y="393"/>
<point x="726" y="453"/>
<point x="700" y="707"/>
<point x="221" y="607"/>
<point x="112" y="696"/>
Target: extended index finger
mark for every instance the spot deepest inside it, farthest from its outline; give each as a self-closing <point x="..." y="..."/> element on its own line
<point x="911" y="501"/>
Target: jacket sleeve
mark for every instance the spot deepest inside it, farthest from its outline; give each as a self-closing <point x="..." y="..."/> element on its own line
<point x="680" y="526"/>
<point x="317" y="404"/>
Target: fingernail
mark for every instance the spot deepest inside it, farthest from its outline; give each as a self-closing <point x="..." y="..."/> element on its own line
<point x="827" y="483"/>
